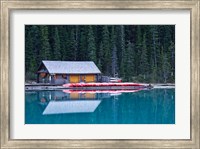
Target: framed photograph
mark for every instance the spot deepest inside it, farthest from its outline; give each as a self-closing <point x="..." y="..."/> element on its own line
<point x="100" y="74"/>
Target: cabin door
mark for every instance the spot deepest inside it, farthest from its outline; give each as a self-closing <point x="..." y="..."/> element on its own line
<point x="74" y="78"/>
<point x="89" y="78"/>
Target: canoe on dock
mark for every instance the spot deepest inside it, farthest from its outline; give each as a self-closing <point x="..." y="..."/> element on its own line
<point x="100" y="91"/>
<point x="107" y="85"/>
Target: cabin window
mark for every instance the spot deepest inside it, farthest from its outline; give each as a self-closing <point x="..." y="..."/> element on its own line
<point x="59" y="76"/>
<point x="64" y="76"/>
<point x="43" y="75"/>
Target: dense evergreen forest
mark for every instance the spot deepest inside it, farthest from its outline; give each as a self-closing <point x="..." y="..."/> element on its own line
<point x="139" y="53"/>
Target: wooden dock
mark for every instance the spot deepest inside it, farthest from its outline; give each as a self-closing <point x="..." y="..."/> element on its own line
<point x="54" y="87"/>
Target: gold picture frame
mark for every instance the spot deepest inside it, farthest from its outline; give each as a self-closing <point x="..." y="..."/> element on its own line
<point x="193" y="6"/>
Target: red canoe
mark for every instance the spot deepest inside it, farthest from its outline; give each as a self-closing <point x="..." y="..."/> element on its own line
<point x="103" y="84"/>
<point x="100" y="91"/>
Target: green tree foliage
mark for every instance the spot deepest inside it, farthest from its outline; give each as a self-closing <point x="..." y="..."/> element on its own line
<point x="171" y="60"/>
<point x="122" y="52"/>
<point x="45" y="46"/>
<point x="153" y="71"/>
<point x="143" y="59"/>
<point x="100" y="56"/>
<point x="114" y="53"/>
<point x="63" y="40"/>
<point x="114" y="61"/>
<point x="165" y="66"/>
<point x="140" y="53"/>
<point x="138" y="48"/>
<point x="106" y="63"/>
<point x="72" y="45"/>
<point x="56" y="45"/>
<point x="32" y="46"/>
<point x="29" y="48"/>
<point x="129" y="62"/>
<point x="82" y="51"/>
<point x="155" y="42"/>
<point x="91" y="45"/>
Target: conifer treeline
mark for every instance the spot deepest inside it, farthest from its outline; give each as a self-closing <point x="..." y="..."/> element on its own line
<point x="142" y="53"/>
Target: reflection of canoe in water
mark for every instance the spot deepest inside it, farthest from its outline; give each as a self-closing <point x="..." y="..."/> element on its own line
<point x="107" y="85"/>
<point x="101" y="91"/>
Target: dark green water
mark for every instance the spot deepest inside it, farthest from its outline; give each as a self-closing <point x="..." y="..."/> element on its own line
<point x="156" y="106"/>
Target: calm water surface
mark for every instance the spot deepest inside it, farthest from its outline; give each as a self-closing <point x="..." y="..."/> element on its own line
<point x="156" y="106"/>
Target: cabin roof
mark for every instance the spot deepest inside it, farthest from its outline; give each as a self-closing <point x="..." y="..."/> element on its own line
<point x="71" y="67"/>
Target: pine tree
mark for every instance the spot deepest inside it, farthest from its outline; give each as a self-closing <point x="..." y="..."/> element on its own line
<point x="143" y="59"/>
<point x="122" y="49"/>
<point x="91" y="45"/>
<point x="138" y="49"/>
<point x="63" y="38"/>
<point x="155" y="46"/>
<point x="166" y="36"/>
<point x="76" y="41"/>
<point x="82" y="52"/>
<point x="29" y="49"/>
<point x="129" y="62"/>
<point x="106" y="63"/>
<point x="153" y="73"/>
<point x="171" y="59"/>
<point x="100" y="58"/>
<point x="36" y="47"/>
<point x="114" y="53"/>
<point x="56" y="45"/>
<point x="165" y="66"/>
<point x="114" y="61"/>
<point x="45" y="46"/>
<point x="72" y="45"/>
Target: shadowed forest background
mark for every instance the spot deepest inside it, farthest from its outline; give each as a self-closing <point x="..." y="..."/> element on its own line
<point x="139" y="53"/>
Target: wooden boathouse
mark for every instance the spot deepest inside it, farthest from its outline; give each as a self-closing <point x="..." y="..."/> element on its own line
<point x="61" y="72"/>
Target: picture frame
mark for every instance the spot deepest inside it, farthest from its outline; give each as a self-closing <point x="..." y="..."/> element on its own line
<point x="8" y="6"/>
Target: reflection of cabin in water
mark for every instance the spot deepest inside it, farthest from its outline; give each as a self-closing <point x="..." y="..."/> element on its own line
<point x="62" y="95"/>
<point x="59" y="102"/>
<point x="60" y="72"/>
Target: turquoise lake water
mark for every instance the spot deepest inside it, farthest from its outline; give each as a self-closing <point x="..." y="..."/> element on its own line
<point x="155" y="106"/>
